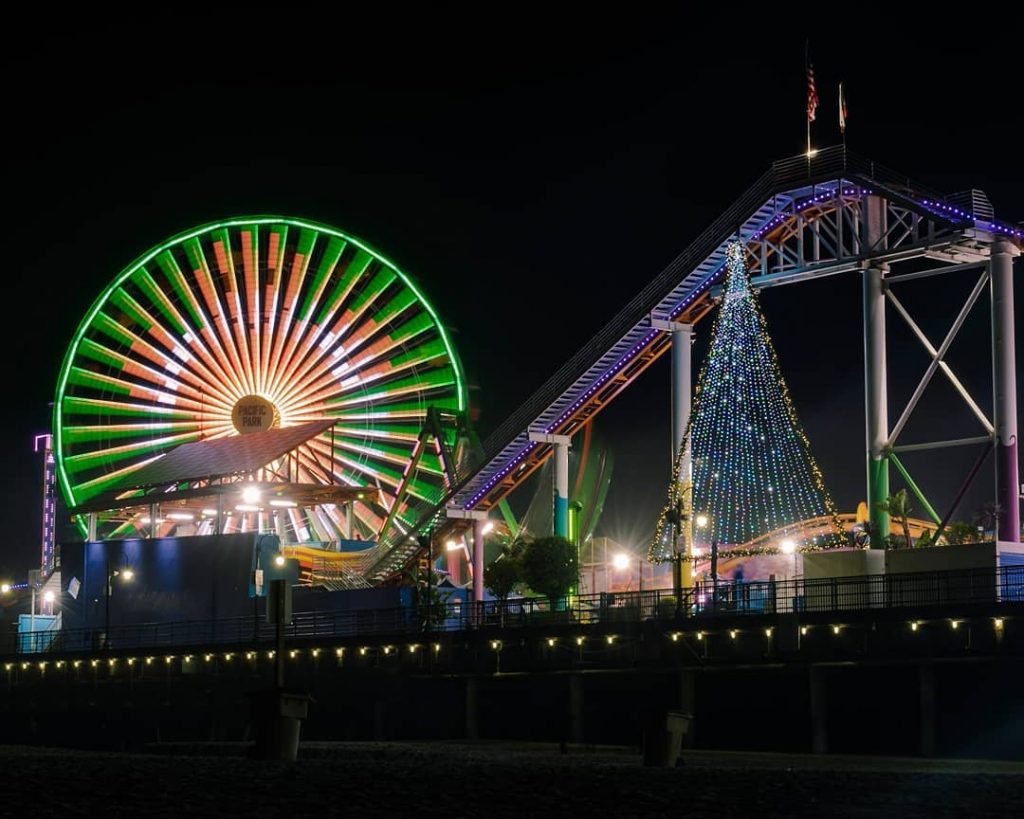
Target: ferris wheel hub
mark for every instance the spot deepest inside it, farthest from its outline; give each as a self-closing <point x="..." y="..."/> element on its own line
<point x="254" y="413"/>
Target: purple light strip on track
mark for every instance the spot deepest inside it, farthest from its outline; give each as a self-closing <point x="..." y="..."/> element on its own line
<point x="932" y="205"/>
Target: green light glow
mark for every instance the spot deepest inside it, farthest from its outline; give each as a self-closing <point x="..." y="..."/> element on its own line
<point x="143" y="379"/>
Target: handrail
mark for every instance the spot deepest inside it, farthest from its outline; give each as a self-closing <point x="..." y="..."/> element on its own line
<point x="706" y="601"/>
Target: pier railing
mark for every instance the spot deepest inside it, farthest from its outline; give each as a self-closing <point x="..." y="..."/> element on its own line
<point x="952" y="590"/>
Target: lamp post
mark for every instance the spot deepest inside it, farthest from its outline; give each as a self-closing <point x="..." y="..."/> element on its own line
<point x="678" y="517"/>
<point x="126" y="575"/>
<point x="789" y="548"/>
<point x="621" y="562"/>
<point x="703" y="522"/>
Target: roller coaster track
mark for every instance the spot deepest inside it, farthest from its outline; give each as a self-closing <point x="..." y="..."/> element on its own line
<point x="804" y="218"/>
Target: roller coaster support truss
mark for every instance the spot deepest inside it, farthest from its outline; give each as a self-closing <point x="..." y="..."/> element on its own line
<point x="832" y="214"/>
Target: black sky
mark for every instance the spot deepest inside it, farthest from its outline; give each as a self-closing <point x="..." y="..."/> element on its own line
<point x="532" y="173"/>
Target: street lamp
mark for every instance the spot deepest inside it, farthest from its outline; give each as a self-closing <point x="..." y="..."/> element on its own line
<point x="704" y="522"/>
<point x="621" y="561"/>
<point x="125" y="575"/>
<point x="789" y="548"/>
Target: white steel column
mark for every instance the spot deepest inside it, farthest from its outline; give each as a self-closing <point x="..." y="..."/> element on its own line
<point x="560" y="445"/>
<point x="876" y="399"/>
<point x="682" y="384"/>
<point x="682" y="403"/>
<point x="1004" y="386"/>
<point x="479" y="518"/>
<point x="478" y="559"/>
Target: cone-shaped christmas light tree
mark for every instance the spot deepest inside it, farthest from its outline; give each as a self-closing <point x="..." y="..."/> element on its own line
<point x="745" y="476"/>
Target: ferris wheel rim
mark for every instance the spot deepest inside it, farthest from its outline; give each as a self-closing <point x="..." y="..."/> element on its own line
<point x="232" y="222"/>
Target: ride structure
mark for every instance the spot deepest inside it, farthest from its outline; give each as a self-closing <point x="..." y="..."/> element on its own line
<point x="260" y="323"/>
<point x="825" y="214"/>
<point x="245" y="326"/>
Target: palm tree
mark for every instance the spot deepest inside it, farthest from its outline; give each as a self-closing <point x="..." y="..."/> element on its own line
<point x="988" y="517"/>
<point x="898" y="505"/>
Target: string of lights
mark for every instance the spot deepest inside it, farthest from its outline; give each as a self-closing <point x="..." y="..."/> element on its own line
<point x="578" y="642"/>
<point x="752" y="467"/>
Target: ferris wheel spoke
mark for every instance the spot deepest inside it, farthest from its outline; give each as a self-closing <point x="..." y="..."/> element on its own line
<point x="379" y="464"/>
<point x="350" y="274"/>
<point x="440" y="378"/>
<point x="127" y="366"/>
<point x="103" y="432"/>
<point x="326" y="389"/>
<point x="178" y="344"/>
<point x="277" y="238"/>
<point x="87" y="489"/>
<point x="215" y="329"/>
<point x="292" y="281"/>
<point x="226" y="266"/>
<point x="114" y="454"/>
<point x="186" y="366"/>
<point x="208" y="349"/>
<point x="328" y="341"/>
<point x="304" y="334"/>
<point x="331" y="364"/>
<point x="293" y="327"/>
<point x="250" y="271"/>
<point x="343" y="335"/>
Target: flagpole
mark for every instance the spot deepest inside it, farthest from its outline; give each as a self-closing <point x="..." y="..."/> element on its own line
<point x="807" y="72"/>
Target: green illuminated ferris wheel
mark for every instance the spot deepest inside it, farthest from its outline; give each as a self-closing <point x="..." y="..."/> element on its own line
<point x="299" y="317"/>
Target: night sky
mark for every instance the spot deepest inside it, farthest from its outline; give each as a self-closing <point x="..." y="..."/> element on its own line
<point x="531" y="173"/>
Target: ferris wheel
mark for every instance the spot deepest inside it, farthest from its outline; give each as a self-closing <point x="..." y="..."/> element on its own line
<point x="297" y="318"/>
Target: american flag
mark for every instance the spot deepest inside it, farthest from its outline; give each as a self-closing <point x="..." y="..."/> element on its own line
<point x="812" y="93"/>
<point x="842" y="110"/>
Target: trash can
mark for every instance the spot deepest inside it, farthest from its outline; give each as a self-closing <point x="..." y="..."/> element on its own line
<point x="277" y="717"/>
<point x="663" y="738"/>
